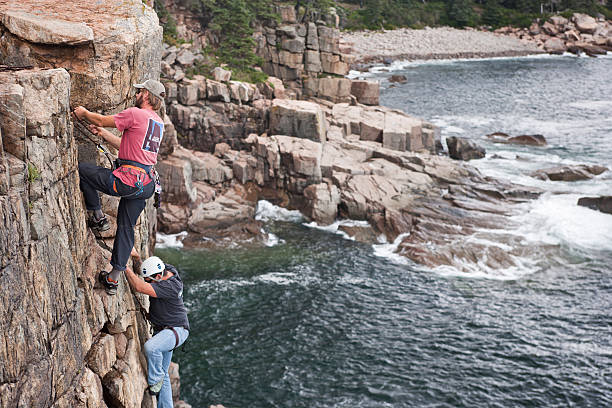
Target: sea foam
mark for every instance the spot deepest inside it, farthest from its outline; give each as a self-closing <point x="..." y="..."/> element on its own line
<point x="266" y="211"/>
<point x="170" y="240"/>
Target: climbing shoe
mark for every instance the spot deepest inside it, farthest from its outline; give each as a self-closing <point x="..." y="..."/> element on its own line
<point x="100" y="225"/>
<point x="156" y="388"/>
<point x="110" y="286"/>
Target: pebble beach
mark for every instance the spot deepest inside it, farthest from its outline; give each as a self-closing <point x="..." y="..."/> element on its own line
<point x="432" y="43"/>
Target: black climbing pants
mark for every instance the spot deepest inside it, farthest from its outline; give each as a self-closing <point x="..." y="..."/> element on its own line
<point x="94" y="179"/>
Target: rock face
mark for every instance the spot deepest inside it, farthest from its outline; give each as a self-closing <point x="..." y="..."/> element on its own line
<point x="292" y="50"/>
<point x="68" y="344"/>
<point x="118" y="46"/>
<point x="51" y="260"/>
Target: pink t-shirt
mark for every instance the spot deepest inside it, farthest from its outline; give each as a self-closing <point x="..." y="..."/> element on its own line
<point x="143" y="131"/>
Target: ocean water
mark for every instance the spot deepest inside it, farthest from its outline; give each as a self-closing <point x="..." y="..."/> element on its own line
<point x="315" y="319"/>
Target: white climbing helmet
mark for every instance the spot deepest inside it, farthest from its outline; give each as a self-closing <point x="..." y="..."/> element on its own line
<point x="152" y="266"/>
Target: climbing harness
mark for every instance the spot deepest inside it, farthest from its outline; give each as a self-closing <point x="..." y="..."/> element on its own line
<point x="139" y="170"/>
<point x="84" y="131"/>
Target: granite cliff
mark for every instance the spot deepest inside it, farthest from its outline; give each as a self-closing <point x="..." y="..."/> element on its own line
<point x="65" y="343"/>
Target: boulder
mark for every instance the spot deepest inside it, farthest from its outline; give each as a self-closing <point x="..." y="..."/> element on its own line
<point x="366" y="92"/>
<point x="204" y="166"/>
<point x="171" y="218"/>
<point x="239" y="91"/>
<point x="226" y="210"/>
<point x="463" y="149"/>
<point x="528" y="140"/>
<point x="555" y="46"/>
<point x="569" y="173"/>
<point x="300" y="119"/>
<point x="584" y="23"/>
<point x="372" y="125"/>
<point x="221" y="75"/>
<point x="534" y="29"/>
<point x="185" y="58"/>
<point x="559" y="20"/>
<point x="550" y="28"/>
<point x="603" y="204"/>
<point x="321" y="203"/>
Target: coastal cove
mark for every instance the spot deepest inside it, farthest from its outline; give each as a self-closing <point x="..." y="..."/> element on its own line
<point x="316" y="319"/>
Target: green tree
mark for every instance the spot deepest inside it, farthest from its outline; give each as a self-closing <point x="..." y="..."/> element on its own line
<point x="461" y="13"/>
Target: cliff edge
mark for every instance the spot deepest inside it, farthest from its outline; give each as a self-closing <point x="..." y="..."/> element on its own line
<point x="63" y="341"/>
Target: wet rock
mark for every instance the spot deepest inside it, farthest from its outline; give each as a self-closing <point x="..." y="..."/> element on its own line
<point x="398" y="78"/>
<point x="603" y="204"/>
<point x="528" y="140"/>
<point x="360" y="233"/>
<point x="464" y="149"/>
<point x="569" y="173"/>
<point x="322" y="203"/>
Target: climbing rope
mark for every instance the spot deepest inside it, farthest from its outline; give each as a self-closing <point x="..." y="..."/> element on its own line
<point x="83" y="130"/>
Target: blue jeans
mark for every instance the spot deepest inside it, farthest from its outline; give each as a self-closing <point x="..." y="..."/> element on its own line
<point x="158" y="350"/>
<point x="94" y="179"/>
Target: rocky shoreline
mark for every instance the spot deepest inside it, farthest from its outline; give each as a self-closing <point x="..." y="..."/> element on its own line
<point x="578" y="34"/>
<point x="431" y="43"/>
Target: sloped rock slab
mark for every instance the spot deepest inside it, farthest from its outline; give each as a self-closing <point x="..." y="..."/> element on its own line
<point x="569" y="173"/>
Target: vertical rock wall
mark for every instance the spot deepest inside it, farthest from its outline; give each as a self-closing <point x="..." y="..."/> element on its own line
<point x="63" y="341"/>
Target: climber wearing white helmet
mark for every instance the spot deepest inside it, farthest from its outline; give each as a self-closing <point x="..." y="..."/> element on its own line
<point x="168" y="317"/>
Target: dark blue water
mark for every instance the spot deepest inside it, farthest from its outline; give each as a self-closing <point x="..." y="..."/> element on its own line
<point x="321" y="321"/>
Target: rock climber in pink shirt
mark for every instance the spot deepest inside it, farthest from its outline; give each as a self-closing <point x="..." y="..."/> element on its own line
<point x="142" y="132"/>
